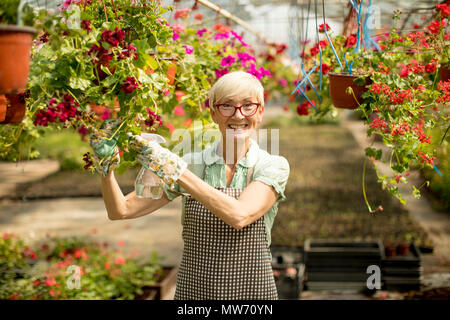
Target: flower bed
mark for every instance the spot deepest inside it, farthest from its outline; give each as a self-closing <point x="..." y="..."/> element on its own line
<point x="72" y="268"/>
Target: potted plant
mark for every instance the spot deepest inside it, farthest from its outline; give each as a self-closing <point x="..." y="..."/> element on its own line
<point x="15" y="46"/>
<point x="439" y="29"/>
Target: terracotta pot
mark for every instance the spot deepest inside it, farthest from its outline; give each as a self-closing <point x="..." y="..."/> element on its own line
<point x="15" y="51"/>
<point x="390" y="250"/>
<point x="402" y="249"/>
<point x="3" y="107"/>
<point x="339" y="82"/>
<point x="445" y="73"/>
<point x="16" y="109"/>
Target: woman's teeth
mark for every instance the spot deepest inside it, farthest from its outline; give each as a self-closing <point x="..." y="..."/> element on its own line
<point x="235" y="126"/>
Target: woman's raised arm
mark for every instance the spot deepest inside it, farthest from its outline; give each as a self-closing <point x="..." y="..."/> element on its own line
<point x="130" y="206"/>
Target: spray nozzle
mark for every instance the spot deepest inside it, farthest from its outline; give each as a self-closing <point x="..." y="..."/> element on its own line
<point x="153" y="137"/>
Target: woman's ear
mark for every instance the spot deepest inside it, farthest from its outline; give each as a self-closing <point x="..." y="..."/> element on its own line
<point x="213" y="114"/>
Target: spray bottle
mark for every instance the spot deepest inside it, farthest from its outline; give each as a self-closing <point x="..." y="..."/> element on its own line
<point x="148" y="185"/>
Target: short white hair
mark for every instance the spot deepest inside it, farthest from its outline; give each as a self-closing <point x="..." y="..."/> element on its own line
<point x="233" y="84"/>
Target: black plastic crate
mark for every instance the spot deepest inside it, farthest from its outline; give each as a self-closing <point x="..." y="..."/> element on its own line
<point x="288" y="271"/>
<point x="289" y="283"/>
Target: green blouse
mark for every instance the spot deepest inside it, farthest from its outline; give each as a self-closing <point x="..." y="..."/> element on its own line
<point x="270" y="169"/>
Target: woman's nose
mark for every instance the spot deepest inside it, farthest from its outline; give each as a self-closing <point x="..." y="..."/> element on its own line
<point x="238" y="114"/>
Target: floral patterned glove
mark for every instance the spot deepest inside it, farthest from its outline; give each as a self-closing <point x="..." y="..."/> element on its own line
<point x="106" y="152"/>
<point x="164" y="163"/>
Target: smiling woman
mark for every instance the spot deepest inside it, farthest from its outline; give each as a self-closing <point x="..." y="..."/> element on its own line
<point x="231" y="192"/>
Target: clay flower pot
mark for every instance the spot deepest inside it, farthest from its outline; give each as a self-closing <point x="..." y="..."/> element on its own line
<point x="3" y="107"/>
<point x="390" y="250"/>
<point x="15" y="52"/>
<point x="16" y="109"/>
<point x="339" y="82"/>
<point x="402" y="248"/>
<point x="445" y="73"/>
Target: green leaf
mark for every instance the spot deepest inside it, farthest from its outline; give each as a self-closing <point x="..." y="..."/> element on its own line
<point x="152" y="40"/>
<point x="79" y="83"/>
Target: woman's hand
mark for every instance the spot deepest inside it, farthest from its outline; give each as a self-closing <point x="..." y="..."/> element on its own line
<point x="164" y="163"/>
<point x="106" y="152"/>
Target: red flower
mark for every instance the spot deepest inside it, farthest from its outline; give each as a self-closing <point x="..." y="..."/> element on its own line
<point x="198" y="16"/>
<point x="323" y="26"/>
<point x="14" y="296"/>
<point x="130" y="85"/>
<point x="119" y="261"/>
<point x="350" y="41"/>
<point x="325" y="68"/>
<point x="444" y="9"/>
<point x="302" y="109"/>
<point x="182" y="13"/>
<point x="436" y="26"/>
<point x="404" y="72"/>
<point x="430" y="68"/>
<point x="50" y="282"/>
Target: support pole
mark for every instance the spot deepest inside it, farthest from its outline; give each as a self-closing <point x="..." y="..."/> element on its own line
<point x="230" y="16"/>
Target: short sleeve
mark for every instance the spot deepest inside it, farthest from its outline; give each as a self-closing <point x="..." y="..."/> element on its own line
<point x="273" y="171"/>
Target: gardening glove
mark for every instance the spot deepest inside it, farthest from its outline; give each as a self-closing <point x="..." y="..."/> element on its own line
<point x="106" y="152"/>
<point x="163" y="162"/>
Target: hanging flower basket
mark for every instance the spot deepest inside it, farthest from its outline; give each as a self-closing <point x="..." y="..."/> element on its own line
<point x="15" y="109"/>
<point x="339" y="82"/>
<point x="15" y="49"/>
<point x="445" y="73"/>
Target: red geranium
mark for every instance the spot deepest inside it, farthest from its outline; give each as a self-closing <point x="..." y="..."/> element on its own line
<point x="444" y="9"/>
<point x="436" y="26"/>
<point x="325" y="68"/>
<point x="350" y="41"/>
<point x="323" y="26"/>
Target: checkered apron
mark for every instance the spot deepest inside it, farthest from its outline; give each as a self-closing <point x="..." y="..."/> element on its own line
<point x="220" y="262"/>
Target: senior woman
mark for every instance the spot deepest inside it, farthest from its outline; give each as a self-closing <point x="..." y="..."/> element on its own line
<point x="229" y="202"/>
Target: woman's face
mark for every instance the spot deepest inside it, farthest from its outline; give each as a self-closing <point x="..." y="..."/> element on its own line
<point x="238" y="126"/>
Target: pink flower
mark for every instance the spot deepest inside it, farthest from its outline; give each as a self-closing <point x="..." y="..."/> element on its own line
<point x="178" y="28"/>
<point x="220" y="36"/>
<point x="220" y="73"/>
<point x="227" y="61"/>
<point x="201" y="32"/>
<point x="106" y="114"/>
<point x="189" y="49"/>
<point x="283" y="82"/>
<point x="175" y="36"/>
<point x="179" y="111"/>
<point x="66" y="4"/>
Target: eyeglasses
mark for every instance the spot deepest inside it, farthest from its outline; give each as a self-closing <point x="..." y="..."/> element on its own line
<point x="228" y="110"/>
